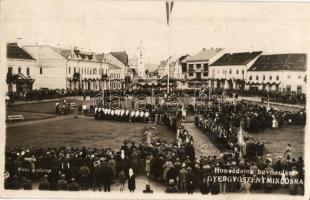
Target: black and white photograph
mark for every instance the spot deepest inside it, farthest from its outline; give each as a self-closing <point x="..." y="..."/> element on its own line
<point x="154" y="99"/>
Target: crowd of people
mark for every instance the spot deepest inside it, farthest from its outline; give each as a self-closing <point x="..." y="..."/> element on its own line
<point x="254" y="117"/>
<point x="174" y="164"/>
<point x="74" y="169"/>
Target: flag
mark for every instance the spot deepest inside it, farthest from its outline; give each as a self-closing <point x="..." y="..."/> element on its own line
<point x="169" y="6"/>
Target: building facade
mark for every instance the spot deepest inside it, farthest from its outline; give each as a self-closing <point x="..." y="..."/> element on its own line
<point x="230" y="70"/>
<point x="118" y="69"/>
<point x="70" y="69"/>
<point x="197" y="71"/>
<point x="278" y="72"/>
<point x="22" y="68"/>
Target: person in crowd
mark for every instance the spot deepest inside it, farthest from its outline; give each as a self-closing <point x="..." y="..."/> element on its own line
<point x="107" y="176"/>
<point x="73" y="186"/>
<point x="44" y="185"/>
<point x="172" y="188"/>
<point x="131" y="181"/>
<point x="62" y="184"/>
<point x="84" y="173"/>
<point x="122" y="180"/>
<point x="148" y="189"/>
<point x="183" y="178"/>
<point x="26" y="184"/>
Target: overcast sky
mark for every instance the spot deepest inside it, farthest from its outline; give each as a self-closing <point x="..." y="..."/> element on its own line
<point x="106" y="26"/>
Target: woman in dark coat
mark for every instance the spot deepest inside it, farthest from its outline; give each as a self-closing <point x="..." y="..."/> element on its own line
<point x="131" y="181"/>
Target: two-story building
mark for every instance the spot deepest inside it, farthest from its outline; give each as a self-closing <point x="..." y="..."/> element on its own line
<point x="229" y="71"/>
<point x="278" y="72"/>
<point x="73" y="69"/>
<point x="118" y="67"/>
<point x="197" y="71"/>
<point x="22" y="69"/>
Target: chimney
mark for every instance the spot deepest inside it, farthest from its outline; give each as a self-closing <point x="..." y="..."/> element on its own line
<point x="203" y="49"/>
<point x="18" y="42"/>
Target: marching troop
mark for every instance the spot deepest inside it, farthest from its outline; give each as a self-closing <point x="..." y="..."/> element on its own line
<point x="121" y="115"/>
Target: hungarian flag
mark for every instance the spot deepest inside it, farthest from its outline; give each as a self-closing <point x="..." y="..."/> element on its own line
<point x="169" y="6"/>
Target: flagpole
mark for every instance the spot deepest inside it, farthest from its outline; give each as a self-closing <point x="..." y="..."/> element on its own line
<point x="168" y="75"/>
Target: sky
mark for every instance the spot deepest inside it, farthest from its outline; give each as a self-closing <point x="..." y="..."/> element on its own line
<point x="105" y="26"/>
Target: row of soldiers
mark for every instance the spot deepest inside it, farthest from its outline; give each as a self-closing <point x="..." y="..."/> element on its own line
<point x="121" y="115"/>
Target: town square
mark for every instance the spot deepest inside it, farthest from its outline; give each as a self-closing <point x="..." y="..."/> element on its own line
<point x="152" y="100"/>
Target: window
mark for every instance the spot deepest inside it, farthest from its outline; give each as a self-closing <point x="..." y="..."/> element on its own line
<point x="205" y="74"/>
<point x="257" y="77"/>
<point x="218" y="71"/>
<point x="19" y="70"/>
<point x="288" y="88"/>
<point x="250" y="77"/>
<point x="198" y="66"/>
<point x="205" y="67"/>
<point x="74" y="70"/>
<point x="10" y="70"/>
<point x="95" y="71"/>
<point x="230" y="71"/>
<point x="184" y="67"/>
<point x="28" y="71"/>
<point x="264" y="77"/>
<point x="237" y="71"/>
<point x="190" y="67"/>
<point x="198" y="75"/>
<point x="69" y="70"/>
<point x="277" y="78"/>
<point x="270" y="78"/>
<point x="242" y="71"/>
<point x="299" y="76"/>
<point x="299" y="89"/>
<point x="190" y="74"/>
<point x="288" y="76"/>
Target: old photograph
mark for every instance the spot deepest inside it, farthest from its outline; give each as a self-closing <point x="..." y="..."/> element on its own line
<point x="153" y="99"/>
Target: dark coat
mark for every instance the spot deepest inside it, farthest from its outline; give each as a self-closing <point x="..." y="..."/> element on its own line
<point x="132" y="183"/>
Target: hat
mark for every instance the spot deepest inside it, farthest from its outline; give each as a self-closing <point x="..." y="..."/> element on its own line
<point x="171" y="181"/>
<point x="63" y="175"/>
<point x="147" y="114"/>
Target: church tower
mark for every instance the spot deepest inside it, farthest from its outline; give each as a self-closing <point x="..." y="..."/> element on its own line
<point x="141" y="60"/>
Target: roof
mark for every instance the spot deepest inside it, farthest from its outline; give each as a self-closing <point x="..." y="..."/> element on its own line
<point x="204" y="55"/>
<point x="276" y="62"/>
<point x="122" y="56"/>
<point x="242" y="58"/>
<point x="63" y="52"/>
<point x="112" y="66"/>
<point x="182" y="58"/>
<point x="16" y="52"/>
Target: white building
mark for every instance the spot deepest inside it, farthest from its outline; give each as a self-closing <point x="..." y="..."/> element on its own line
<point x="138" y="62"/>
<point x="22" y="68"/>
<point x="73" y="69"/>
<point x="118" y="67"/>
<point x="229" y="71"/>
<point x="197" y="72"/>
<point x="281" y="72"/>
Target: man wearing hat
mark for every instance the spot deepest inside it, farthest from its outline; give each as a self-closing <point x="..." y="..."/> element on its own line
<point x="73" y="186"/>
<point x="172" y="188"/>
<point x="62" y="183"/>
